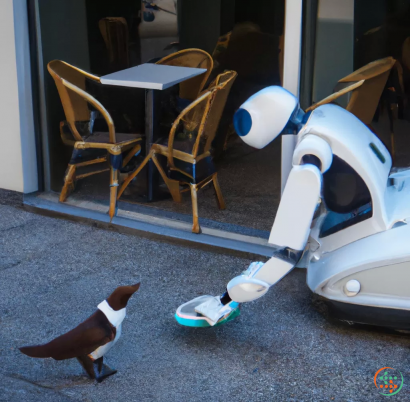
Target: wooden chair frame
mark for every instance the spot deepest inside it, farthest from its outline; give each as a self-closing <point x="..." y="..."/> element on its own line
<point x="170" y="153"/>
<point x="73" y="108"/>
<point x="331" y="98"/>
<point x="377" y="70"/>
<point x="186" y="87"/>
<point x="367" y="86"/>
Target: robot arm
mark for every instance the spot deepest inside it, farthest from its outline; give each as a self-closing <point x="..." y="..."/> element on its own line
<point x="258" y="122"/>
<point x="290" y="232"/>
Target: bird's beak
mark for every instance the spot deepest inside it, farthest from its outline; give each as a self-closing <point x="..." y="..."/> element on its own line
<point x="136" y="286"/>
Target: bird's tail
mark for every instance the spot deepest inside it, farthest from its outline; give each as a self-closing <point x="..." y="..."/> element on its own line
<point x="35" y="351"/>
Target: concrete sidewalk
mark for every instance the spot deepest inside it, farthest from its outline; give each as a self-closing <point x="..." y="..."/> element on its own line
<point x="53" y="273"/>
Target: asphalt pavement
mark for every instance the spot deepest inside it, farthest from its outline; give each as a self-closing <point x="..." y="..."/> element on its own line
<point x="53" y="274"/>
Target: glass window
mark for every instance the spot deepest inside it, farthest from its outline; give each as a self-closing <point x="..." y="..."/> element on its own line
<point x="358" y="39"/>
<point x="104" y="36"/>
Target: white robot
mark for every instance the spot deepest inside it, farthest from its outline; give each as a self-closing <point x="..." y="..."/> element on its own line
<point x="342" y="215"/>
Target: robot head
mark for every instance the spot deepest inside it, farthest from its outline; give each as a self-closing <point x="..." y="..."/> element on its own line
<point x="264" y="115"/>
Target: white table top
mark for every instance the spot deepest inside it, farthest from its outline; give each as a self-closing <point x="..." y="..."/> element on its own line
<point x="151" y="76"/>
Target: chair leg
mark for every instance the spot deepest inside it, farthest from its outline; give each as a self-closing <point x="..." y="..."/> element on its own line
<point x="113" y="191"/>
<point x="68" y="182"/>
<point x="195" y="226"/>
<point x="218" y="192"/>
<point x="130" y="154"/>
<point x="173" y="185"/>
<point x="133" y="174"/>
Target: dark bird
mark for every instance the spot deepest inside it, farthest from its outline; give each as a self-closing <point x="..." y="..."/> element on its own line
<point x="93" y="338"/>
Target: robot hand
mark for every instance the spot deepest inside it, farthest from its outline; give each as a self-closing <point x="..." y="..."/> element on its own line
<point x="219" y="308"/>
<point x="214" y="310"/>
<point x="258" y="278"/>
<point x="250" y="285"/>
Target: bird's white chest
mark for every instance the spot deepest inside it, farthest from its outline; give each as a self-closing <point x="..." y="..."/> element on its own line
<point x="115" y="318"/>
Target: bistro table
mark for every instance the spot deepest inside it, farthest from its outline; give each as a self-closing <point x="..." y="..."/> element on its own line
<point x="153" y="78"/>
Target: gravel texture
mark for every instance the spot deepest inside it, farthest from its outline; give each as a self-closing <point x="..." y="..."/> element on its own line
<point x="13" y="198"/>
<point x="53" y="273"/>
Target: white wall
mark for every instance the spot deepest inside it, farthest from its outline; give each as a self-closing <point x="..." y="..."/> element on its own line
<point x="18" y="166"/>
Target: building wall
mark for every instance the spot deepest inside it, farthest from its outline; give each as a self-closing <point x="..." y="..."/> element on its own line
<point x="18" y="165"/>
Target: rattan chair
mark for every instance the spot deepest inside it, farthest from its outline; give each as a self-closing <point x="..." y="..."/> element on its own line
<point x="366" y="86"/>
<point x="196" y="58"/>
<point x="188" y="147"/>
<point x="90" y="148"/>
<point x="114" y="31"/>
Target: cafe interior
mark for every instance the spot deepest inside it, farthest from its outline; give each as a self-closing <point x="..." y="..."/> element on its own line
<point x="124" y="129"/>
